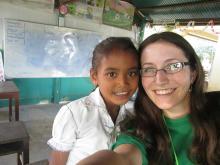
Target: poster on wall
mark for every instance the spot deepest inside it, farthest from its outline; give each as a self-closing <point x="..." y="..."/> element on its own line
<point x="84" y="9"/>
<point x="118" y="13"/>
<point x="47" y="51"/>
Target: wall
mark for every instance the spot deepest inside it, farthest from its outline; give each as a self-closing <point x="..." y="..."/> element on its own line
<point x="44" y="90"/>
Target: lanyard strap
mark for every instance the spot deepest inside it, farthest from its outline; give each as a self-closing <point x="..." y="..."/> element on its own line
<point x="171" y="141"/>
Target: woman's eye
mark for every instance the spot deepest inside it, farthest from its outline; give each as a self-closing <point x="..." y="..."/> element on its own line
<point x="174" y="66"/>
<point x="149" y="70"/>
<point x="169" y="67"/>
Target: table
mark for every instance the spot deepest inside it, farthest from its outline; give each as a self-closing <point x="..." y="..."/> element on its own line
<point x="8" y="90"/>
<point x="14" y="139"/>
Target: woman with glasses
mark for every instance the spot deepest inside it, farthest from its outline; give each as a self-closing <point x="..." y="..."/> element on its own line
<point x="174" y="123"/>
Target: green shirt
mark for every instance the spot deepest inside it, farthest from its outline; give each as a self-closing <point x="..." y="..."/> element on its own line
<point x="181" y="133"/>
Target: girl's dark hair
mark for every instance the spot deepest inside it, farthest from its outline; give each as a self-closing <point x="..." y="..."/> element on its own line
<point x="149" y="122"/>
<point x="107" y="46"/>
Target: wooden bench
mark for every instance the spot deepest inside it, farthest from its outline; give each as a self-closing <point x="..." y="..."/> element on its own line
<point x="14" y="139"/>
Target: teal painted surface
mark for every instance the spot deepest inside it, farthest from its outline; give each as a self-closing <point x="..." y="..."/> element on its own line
<point x="74" y="88"/>
<point x="43" y="90"/>
<point x="56" y="90"/>
<point x="35" y="90"/>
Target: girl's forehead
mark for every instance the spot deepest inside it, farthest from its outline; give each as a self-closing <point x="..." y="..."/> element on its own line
<point x="119" y="59"/>
<point x="121" y="53"/>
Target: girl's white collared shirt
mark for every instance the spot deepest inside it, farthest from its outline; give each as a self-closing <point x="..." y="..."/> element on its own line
<point x="84" y="126"/>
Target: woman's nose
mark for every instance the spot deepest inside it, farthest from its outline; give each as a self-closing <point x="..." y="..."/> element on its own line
<point x="161" y="77"/>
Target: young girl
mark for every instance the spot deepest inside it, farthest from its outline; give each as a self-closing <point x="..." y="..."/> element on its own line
<point x="175" y="123"/>
<point x="89" y="124"/>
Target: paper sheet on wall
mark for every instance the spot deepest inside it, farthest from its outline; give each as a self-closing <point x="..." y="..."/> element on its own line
<point x="206" y="50"/>
<point x="37" y="50"/>
<point x="1" y="33"/>
<point x="2" y="76"/>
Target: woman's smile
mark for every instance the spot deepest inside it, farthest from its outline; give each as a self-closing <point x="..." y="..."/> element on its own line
<point x="164" y="91"/>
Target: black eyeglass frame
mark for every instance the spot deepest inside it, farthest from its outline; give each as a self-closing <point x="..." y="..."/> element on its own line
<point x="183" y="64"/>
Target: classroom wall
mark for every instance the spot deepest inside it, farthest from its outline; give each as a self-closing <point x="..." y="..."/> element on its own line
<point x="44" y="90"/>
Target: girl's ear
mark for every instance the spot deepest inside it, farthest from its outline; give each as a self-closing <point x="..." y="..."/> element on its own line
<point x="93" y="76"/>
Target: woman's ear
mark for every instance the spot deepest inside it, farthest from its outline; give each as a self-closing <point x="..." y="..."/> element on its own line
<point x="193" y="76"/>
<point x="93" y="76"/>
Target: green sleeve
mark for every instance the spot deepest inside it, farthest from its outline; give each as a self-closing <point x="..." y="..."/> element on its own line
<point x="129" y="139"/>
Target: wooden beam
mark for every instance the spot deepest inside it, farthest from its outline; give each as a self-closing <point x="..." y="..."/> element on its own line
<point x="202" y="34"/>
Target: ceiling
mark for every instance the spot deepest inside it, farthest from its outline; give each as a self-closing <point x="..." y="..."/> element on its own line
<point x="182" y="11"/>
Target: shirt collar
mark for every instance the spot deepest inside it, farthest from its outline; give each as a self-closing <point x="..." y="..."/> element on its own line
<point x="97" y="100"/>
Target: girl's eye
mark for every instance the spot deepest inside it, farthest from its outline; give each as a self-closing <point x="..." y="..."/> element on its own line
<point x="133" y="73"/>
<point x="111" y="74"/>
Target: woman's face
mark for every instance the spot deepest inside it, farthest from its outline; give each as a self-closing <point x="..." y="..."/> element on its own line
<point x="170" y="92"/>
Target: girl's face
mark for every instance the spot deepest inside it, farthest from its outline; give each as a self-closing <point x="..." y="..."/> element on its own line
<point x="170" y="92"/>
<point x="117" y="77"/>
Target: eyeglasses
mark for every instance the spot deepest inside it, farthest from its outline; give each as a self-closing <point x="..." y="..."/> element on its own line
<point x="169" y="69"/>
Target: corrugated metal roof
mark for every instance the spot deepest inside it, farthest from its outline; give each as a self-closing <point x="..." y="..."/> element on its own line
<point x="162" y="11"/>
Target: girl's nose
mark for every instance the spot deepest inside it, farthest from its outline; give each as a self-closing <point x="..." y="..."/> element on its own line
<point x="123" y="80"/>
<point x="161" y="77"/>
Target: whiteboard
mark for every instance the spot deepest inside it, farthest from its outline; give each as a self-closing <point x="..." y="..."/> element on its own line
<point x="38" y="50"/>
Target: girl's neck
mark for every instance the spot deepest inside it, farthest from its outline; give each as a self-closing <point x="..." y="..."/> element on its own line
<point x="113" y="112"/>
